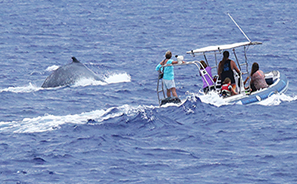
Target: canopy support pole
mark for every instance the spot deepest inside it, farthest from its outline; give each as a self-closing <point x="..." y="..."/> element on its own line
<point x="239" y="28"/>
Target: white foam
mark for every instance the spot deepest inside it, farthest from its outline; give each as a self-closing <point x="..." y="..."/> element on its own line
<point x="51" y="122"/>
<point x="88" y="82"/>
<point x="109" y="79"/>
<point x="117" y="78"/>
<point x="52" y="68"/>
<point x="210" y="98"/>
<point x="277" y="99"/>
<point x="22" y="89"/>
<point x="113" y="78"/>
<point x="214" y="99"/>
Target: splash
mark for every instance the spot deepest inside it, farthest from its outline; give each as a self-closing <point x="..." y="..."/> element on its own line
<point x="22" y="89"/>
<point x="52" y="68"/>
<point x="117" y="78"/>
<point x="114" y="78"/>
<point x="110" y="79"/>
<point x="88" y="82"/>
<point x="277" y="99"/>
<point x="214" y="99"/>
<point x="51" y="122"/>
<point x="211" y="98"/>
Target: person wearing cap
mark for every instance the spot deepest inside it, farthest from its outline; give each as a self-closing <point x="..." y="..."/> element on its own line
<point x="168" y="76"/>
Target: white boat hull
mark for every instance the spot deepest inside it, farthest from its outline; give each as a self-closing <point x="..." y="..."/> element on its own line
<point x="278" y="83"/>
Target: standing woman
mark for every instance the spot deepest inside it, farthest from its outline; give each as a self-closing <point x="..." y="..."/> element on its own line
<point x="257" y="78"/>
<point x="168" y="77"/>
<point x="226" y="67"/>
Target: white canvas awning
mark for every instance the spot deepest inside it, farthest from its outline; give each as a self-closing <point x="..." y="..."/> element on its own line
<point x="222" y="47"/>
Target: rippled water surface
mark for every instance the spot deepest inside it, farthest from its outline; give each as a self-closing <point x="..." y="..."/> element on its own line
<point x="115" y="132"/>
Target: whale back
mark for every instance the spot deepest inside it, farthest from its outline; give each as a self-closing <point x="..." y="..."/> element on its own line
<point x="68" y="74"/>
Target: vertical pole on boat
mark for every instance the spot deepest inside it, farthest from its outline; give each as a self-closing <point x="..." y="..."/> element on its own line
<point x="238" y="82"/>
<point x="247" y="66"/>
<point x="160" y="91"/>
<point x="216" y="60"/>
<point x="239" y="28"/>
<point x="236" y="59"/>
<point x="205" y="58"/>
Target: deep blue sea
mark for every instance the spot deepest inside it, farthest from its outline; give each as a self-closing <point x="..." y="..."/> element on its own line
<point x="115" y="132"/>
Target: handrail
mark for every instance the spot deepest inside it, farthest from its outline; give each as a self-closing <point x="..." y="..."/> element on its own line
<point x="187" y="63"/>
<point x="179" y="64"/>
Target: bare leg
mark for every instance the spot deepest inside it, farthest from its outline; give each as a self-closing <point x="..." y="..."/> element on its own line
<point x="174" y="92"/>
<point x="168" y="93"/>
<point x="234" y="88"/>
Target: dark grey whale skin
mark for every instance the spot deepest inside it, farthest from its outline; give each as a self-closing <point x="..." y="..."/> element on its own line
<point x="68" y="74"/>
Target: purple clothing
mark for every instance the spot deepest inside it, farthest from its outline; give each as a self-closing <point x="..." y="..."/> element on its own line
<point x="209" y="81"/>
<point x="258" y="79"/>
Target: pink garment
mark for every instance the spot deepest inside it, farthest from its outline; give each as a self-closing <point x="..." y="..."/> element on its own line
<point x="258" y="79"/>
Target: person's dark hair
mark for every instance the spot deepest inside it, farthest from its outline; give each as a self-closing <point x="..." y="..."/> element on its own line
<point x="226" y="55"/>
<point x="227" y="80"/>
<point x="255" y="68"/>
<point x="203" y="63"/>
<point x="168" y="55"/>
<point x="225" y="58"/>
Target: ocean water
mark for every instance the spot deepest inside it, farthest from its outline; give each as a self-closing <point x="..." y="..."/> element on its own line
<point x="115" y="132"/>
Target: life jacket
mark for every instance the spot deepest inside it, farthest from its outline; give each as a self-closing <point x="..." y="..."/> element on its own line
<point x="226" y="90"/>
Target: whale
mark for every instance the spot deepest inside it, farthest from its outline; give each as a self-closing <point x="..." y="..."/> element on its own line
<point x="68" y="74"/>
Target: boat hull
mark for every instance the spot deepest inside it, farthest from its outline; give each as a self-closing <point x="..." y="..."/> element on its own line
<point x="279" y="84"/>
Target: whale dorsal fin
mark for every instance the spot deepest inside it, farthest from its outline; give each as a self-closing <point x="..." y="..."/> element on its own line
<point x="74" y="60"/>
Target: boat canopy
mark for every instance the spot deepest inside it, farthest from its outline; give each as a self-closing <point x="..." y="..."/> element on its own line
<point x="222" y="47"/>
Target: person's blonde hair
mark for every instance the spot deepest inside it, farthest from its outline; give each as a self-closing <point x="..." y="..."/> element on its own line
<point x="168" y="54"/>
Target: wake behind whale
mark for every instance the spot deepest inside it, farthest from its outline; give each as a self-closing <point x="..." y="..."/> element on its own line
<point x="69" y="74"/>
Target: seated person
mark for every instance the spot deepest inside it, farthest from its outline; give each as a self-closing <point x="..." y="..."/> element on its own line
<point x="257" y="78"/>
<point x="226" y="89"/>
<point x="205" y="73"/>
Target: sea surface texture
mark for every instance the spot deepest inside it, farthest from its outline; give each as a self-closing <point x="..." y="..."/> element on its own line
<point x="115" y="131"/>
